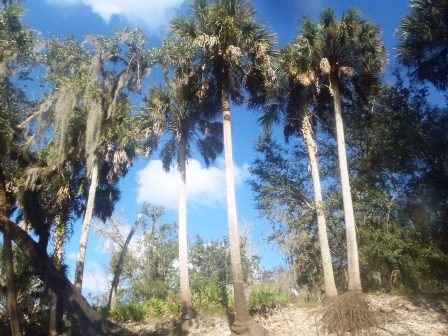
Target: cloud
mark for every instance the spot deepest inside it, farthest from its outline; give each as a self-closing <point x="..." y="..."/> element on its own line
<point x="154" y="14"/>
<point x="95" y="280"/>
<point x="205" y="186"/>
<point x="72" y="256"/>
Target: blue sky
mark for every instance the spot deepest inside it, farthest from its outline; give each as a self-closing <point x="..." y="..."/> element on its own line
<point x="207" y="209"/>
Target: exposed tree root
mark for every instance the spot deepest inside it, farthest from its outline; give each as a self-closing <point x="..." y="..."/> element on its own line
<point x="348" y="312"/>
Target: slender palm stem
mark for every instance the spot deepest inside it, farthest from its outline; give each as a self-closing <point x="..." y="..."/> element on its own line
<point x="330" y="286"/>
<point x="183" y="241"/>
<point x="241" y="310"/>
<point x="354" y="278"/>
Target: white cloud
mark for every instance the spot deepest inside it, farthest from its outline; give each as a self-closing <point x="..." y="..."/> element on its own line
<point x="205" y="186"/>
<point x="154" y="14"/>
<point x="72" y="256"/>
<point x="95" y="280"/>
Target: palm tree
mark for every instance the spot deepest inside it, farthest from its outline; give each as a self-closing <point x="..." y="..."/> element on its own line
<point x="187" y="118"/>
<point x="350" y="55"/>
<point x="233" y="50"/>
<point x="295" y="96"/>
<point x="423" y="45"/>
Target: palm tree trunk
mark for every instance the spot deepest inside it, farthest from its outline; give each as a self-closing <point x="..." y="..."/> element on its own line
<point x="114" y="288"/>
<point x="330" y="286"/>
<point x="56" y="304"/>
<point x="86" y="227"/>
<point x="185" y="291"/>
<point x="354" y="278"/>
<point x="241" y="310"/>
<point x="11" y="294"/>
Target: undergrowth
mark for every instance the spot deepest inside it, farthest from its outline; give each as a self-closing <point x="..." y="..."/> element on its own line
<point x="210" y="299"/>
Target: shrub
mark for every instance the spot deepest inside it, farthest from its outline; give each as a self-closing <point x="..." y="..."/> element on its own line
<point x="174" y="304"/>
<point x="126" y="312"/>
<point x="156" y="307"/>
<point x="265" y="299"/>
<point x="211" y="299"/>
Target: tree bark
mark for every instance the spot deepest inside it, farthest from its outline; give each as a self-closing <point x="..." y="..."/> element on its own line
<point x="116" y="280"/>
<point x="86" y="227"/>
<point x="185" y="291"/>
<point x="330" y="286"/>
<point x="11" y="295"/>
<point x="56" y="304"/>
<point x="354" y="278"/>
<point x="243" y="324"/>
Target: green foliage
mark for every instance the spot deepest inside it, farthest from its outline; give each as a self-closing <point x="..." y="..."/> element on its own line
<point x="129" y="312"/>
<point x="156" y="308"/>
<point x="16" y="42"/>
<point x="423" y="47"/>
<point x="265" y="299"/>
<point x="33" y="296"/>
<point x="399" y="189"/>
<point x="212" y="298"/>
<point x="211" y="263"/>
<point x="233" y="49"/>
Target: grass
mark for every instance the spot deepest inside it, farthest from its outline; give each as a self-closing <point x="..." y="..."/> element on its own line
<point x="266" y="299"/>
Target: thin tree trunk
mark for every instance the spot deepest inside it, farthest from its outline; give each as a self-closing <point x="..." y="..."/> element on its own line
<point x="89" y="320"/>
<point x="86" y="227"/>
<point x="116" y="280"/>
<point x="243" y="324"/>
<point x="185" y="291"/>
<point x="330" y="286"/>
<point x="11" y="295"/>
<point x="354" y="278"/>
<point x="12" y="305"/>
<point x="56" y="306"/>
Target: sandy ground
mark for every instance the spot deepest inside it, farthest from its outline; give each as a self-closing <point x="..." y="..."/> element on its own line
<point x="419" y="316"/>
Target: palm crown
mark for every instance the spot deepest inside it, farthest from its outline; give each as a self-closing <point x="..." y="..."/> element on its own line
<point x="423" y="41"/>
<point x="233" y="50"/>
<point x="183" y="121"/>
<point x="349" y="49"/>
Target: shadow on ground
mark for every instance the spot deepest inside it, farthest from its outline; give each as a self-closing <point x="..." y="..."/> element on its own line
<point x="432" y="302"/>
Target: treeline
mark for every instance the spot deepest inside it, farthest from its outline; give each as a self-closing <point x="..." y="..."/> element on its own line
<point x="371" y="217"/>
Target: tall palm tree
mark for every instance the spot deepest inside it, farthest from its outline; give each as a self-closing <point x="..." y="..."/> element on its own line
<point x="350" y="55"/>
<point x="233" y="51"/>
<point x="423" y="45"/>
<point x="186" y="118"/>
<point x="295" y="96"/>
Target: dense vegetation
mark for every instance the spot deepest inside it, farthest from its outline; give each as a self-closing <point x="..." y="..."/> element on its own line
<point x="357" y="194"/>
